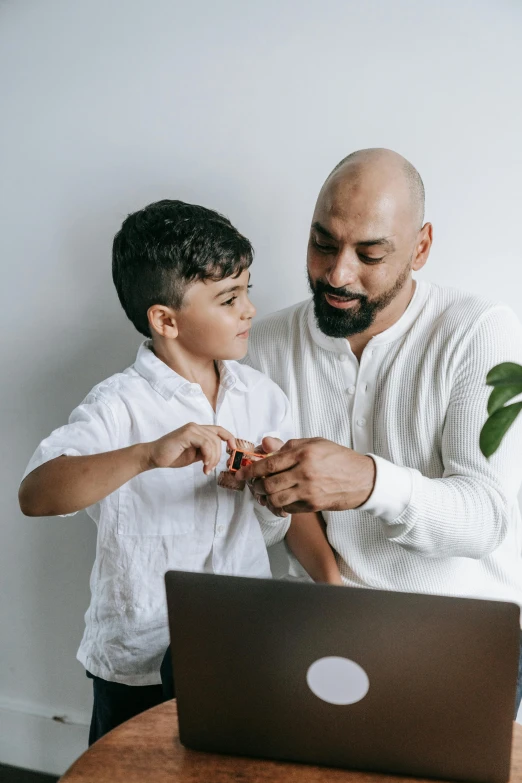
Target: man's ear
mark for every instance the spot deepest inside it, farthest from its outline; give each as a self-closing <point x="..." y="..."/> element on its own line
<point x="162" y="320"/>
<point x="423" y="246"/>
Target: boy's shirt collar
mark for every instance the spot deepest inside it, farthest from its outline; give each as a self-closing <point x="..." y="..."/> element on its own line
<point x="229" y="377"/>
<point x="168" y="383"/>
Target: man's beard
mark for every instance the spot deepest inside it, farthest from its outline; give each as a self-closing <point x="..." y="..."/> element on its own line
<point x="335" y="322"/>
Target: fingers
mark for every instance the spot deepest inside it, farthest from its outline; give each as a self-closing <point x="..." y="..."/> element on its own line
<point x="210" y="449"/>
<point x="275" y="463"/>
<point x="279" y="482"/>
<point x="207" y="439"/>
<point x="257" y="487"/>
<point x="270" y="444"/>
<point x="279" y="512"/>
<point x="264" y="501"/>
<point x="191" y="443"/>
<point x="286" y="498"/>
<point x="276" y="495"/>
<point x="276" y="483"/>
<point x="223" y="434"/>
<point x="291" y="503"/>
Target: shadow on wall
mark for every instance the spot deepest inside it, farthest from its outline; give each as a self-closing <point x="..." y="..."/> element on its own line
<point x="59" y="553"/>
<point x="81" y="338"/>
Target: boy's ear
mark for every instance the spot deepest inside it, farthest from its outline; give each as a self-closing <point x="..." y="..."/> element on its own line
<point x="162" y="320"/>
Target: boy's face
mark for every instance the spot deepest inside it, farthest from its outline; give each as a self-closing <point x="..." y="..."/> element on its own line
<point x="215" y="318"/>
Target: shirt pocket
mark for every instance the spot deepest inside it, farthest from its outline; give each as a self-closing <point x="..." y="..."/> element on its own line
<point x="159" y="502"/>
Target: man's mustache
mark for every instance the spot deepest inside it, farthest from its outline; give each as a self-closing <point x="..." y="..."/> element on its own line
<point x="340" y="293"/>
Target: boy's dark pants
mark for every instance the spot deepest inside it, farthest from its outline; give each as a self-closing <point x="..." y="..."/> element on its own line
<point x="115" y="703"/>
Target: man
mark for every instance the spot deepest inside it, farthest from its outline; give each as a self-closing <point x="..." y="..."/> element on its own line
<point x="386" y="378"/>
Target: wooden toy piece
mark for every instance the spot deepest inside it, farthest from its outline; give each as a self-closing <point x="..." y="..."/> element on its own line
<point x="244" y="454"/>
<point x="228" y="480"/>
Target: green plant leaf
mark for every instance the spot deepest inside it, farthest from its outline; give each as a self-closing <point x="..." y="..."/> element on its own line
<point x="505" y="374"/>
<point x="500" y="395"/>
<point x="496" y="427"/>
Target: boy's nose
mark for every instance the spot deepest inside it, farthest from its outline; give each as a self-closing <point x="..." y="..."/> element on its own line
<point x="250" y="311"/>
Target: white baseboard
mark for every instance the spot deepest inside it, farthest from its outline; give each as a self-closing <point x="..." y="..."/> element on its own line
<point x="35" y="737"/>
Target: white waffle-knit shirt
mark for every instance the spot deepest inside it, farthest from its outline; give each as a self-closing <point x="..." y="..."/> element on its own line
<point x="442" y="518"/>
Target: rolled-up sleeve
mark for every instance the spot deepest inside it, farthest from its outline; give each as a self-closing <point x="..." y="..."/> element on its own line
<point x="91" y="429"/>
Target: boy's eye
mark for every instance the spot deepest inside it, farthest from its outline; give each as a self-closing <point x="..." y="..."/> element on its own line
<point x="230" y="302"/>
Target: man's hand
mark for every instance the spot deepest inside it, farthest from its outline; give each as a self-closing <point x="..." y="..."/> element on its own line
<point x="312" y="474"/>
<point x="268" y="446"/>
<point x="188" y="444"/>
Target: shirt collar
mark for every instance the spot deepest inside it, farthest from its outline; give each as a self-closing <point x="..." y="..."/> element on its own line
<point x="400" y="327"/>
<point x="229" y="377"/>
<point x="169" y="383"/>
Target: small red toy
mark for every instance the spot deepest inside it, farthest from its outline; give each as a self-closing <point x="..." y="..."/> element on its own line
<point x="244" y="454"/>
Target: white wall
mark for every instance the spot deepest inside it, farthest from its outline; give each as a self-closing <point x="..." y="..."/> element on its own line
<point x="244" y="107"/>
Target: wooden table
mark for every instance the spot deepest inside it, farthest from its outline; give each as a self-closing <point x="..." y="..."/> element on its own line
<point x="147" y="748"/>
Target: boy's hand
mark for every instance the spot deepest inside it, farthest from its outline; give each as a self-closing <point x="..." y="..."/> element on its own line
<point x="190" y="443"/>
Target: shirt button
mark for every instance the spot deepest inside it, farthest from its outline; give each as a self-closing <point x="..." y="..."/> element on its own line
<point x="343" y="357"/>
<point x="361" y="422"/>
<point x="351" y="389"/>
<point x="220" y="529"/>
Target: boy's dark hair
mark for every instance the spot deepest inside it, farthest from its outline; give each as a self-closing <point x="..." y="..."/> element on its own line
<point x="164" y="247"/>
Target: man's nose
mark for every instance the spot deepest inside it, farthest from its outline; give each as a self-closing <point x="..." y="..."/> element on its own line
<point x="344" y="270"/>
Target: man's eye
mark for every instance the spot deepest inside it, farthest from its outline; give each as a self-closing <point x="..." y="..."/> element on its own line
<point x="369" y="260"/>
<point x="323" y="248"/>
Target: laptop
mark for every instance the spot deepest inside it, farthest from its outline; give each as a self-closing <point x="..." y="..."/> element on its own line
<point x="402" y="683"/>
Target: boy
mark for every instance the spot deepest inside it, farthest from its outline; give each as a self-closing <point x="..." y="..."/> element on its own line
<point x="130" y="452"/>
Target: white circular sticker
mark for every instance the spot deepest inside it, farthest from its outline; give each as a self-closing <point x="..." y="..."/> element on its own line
<point x="337" y="680"/>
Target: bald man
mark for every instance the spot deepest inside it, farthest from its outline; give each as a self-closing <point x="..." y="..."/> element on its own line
<point x="386" y="378"/>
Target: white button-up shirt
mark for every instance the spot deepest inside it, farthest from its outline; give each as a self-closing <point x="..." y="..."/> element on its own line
<point x="164" y="518"/>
